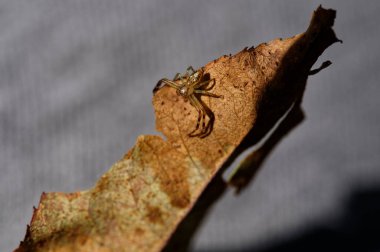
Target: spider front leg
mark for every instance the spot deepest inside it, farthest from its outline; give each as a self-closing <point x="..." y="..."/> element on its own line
<point x="165" y="82"/>
<point x="190" y="70"/>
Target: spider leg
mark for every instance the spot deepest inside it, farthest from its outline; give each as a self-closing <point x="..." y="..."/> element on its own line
<point x="166" y="82"/>
<point x="201" y="114"/>
<point x="209" y="125"/>
<point x="205" y="129"/>
<point x="204" y="92"/>
<point x="190" y="70"/>
<point x="177" y="77"/>
<point x="170" y="83"/>
<point x="204" y="83"/>
<point x="212" y="85"/>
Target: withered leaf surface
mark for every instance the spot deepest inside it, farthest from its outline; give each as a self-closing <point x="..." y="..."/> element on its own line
<point x="139" y="202"/>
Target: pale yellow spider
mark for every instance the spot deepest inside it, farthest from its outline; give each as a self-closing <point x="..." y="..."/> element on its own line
<point x="189" y="86"/>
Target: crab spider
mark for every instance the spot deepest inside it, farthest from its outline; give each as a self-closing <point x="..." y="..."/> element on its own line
<point x="189" y="85"/>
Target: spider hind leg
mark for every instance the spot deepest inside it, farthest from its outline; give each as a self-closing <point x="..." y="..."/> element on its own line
<point x="205" y="130"/>
<point x="201" y="115"/>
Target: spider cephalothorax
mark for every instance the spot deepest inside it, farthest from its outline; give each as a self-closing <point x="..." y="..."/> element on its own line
<point x="189" y="86"/>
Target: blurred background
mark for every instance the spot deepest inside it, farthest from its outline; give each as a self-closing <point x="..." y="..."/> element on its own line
<point x="76" y="80"/>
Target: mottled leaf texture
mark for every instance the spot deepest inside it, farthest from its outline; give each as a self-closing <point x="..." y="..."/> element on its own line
<point x="138" y="204"/>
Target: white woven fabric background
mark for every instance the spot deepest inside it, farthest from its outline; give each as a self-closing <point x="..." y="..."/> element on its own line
<point x="76" y="81"/>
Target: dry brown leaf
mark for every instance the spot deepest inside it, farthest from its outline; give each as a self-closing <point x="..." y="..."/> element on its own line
<point x="139" y="202"/>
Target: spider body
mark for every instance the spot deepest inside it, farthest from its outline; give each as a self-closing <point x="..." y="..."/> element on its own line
<point x="185" y="91"/>
<point x="189" y="86"/>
